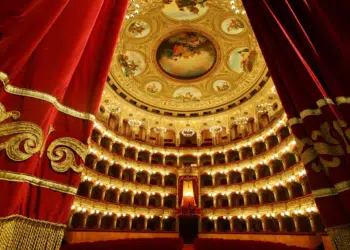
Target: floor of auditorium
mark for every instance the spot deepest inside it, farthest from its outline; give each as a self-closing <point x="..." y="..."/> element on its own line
<point x="188" y="247"/>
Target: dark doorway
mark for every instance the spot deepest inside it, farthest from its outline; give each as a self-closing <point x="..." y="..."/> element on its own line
<point x="188" y="228"/>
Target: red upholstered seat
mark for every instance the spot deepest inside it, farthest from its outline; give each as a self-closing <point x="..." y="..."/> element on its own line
<point x="221" y="244"/>
<point x="129" y="244"/>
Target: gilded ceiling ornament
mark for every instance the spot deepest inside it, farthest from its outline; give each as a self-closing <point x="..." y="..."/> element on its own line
<point x="62" y="151"/>
<point x="23" y="133"/>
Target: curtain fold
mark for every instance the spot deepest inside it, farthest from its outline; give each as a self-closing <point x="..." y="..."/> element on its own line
<point x="54" y="61"/>
<point x="305" y="45"/>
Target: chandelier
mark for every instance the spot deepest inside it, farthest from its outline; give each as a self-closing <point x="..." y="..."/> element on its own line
<point x="160" y="130"/>
<point x="237" y="7"/>
<point x="112" y="108"/>
<point x="264" y="108"/>
<point x="133" y="9"/>
<point x="215" y="129"/>
<point x="242" y="120"/>
<point x="134" y="123"/>
<point x="188" y="132"/>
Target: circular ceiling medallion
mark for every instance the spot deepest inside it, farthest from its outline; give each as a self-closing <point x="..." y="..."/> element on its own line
<point x="139" y="29"/>
<point x="221" y="86"/>
<point x="232" y="26"/>
<point x="186" y="55"/>
<point x="132" y="63"/>
<point x="242" y="59"/>
<point x="184" y="9"/>
<point x="153" y="87"/>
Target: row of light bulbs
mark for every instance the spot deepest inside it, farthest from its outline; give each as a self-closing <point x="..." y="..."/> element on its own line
<point x="257" y="138"/>
<point x="93" y="211"/>
<point x="301" y="211"/>
<point x="109" y="186"/>
<point x="267" y="187"/>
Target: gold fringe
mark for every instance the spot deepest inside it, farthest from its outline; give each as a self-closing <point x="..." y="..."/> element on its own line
<point x="340" y="237"/>
<point x="19" y="232"/>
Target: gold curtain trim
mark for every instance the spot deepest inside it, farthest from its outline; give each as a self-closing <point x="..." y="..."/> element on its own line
<point x="45" y="97"/>
<point x="338" y="188"/>
<point x="342" y="100"/>
<point x="323" y="102"/>
<point x="20" y="177"/>
<point x="20" y="232"/>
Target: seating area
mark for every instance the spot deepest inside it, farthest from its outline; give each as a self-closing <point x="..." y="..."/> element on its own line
<point x="129" y="244"/>
<point x="221" y="244"/>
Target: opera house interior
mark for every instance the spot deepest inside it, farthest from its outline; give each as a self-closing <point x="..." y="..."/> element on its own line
<point x="175" y="124"/>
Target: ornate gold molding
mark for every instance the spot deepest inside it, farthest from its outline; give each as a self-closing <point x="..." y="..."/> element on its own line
<point x="20" y="177"/>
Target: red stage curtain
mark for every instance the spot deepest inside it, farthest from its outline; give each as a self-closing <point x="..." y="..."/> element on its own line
<point x="195" y="190"/>
<point x="305" y="45"/>
<point x="54" y="61"/>
<point x="180" y="190"/>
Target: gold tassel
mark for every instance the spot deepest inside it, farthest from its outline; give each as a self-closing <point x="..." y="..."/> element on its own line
<point x="340" y="237"/>
<point x="19" y="232"/>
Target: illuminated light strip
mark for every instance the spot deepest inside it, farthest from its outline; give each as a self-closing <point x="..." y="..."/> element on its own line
<point x="21" y="177"/>
<point x="45" y="97"/>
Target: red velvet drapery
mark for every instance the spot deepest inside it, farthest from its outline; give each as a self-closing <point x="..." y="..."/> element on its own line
<point x="305" y="45"/>
<point x="54" y="61"/>
<point x="194" y="180"/>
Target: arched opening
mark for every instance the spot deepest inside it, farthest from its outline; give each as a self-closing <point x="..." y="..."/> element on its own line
<point x="126" y="129"/>
<point x="271" y="224"/>
<point x="304" y="223"/>
<point x="219" y="158"/>
<point x="170" y="201"/>
<point x="170" y="180"/>
<point x="156" y="179"/>
<point x="249" y="174"/>
<point x="239" y="225"/>
<point x="77" y="220"/>
<point x="264" y="171"/>
<point x="143" y="156"/>
<point x="105" y="143"/>
<point x="92" y="221"/>
<point x="288" y="224"/>
<point x="169" y="138"/>
<point x="169" y="224"/>
<point x="289" y="159"/>
<point x="140" y="199"/>
<point x="127" y="174"/>
<point x="130" y="153"/>
<point x="283" y="133"/>
<point x="188" y="141"/>
<point x="114" y="171"/>
<point x="125" y="198"/>
<point x="207" y="225"/>
<point x="223" y="225"/>
<point x="89" y="161"/>
<point x="267" y="196"/>
<point x="277" y="166"/>
<point x="95" y="136"/>
<point x="207" y="139"/>
<point x="206" y="180"/>
<point x="260" y="147"/>
<point x="188" y="160"/>
<point x="319" y="227"/>
<point x="297" y="190"/>
<point x="307" y="189"/>
<point x="157" y="158"/>
<point x="272" y="141"/>
<point x="233" y="155"/>
<point x="83" y="189"/>
<point x="154" y="200"/>
<point x="235" y="177"/>
<point x="101" y="167"/>
<point x="141" y="134"/>
<point x="123" y="223"/>
<point x="107" y="222"/>
<point x="234" y="132"/>
<point x="170" y="160"/>
<point x="255" y="225"/>
<point x="138" y="223"/>
<point x="207" y="201"/>
<point x="237" y="200"/>
<point x="96" y="193"/>
<point x="247" y="152"/>
<point x="221" y="201"/>
<point x="141" y="177"/>
<point x="117" y="148"/>
<point x="282" y="193"/>
<point x="252" y="199"/>
<point x="113" y="122"/>
<point x="220" y="179"/>
<point x="205" y="160"/>
<point x="153" y="224"/>
<point x="111" y="195"/>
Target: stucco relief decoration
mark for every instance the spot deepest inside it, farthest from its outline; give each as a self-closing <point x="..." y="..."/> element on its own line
<point x="184" y="9"/>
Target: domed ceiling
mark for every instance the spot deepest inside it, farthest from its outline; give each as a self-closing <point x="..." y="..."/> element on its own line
<point x="187" y="56"/>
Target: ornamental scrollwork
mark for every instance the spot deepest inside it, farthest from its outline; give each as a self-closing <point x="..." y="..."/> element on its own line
<point x="62" y="151"/>
<point x="26" y="140"/>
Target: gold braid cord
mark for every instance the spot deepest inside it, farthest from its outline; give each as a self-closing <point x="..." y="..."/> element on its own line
<point x="19" y="232"/>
